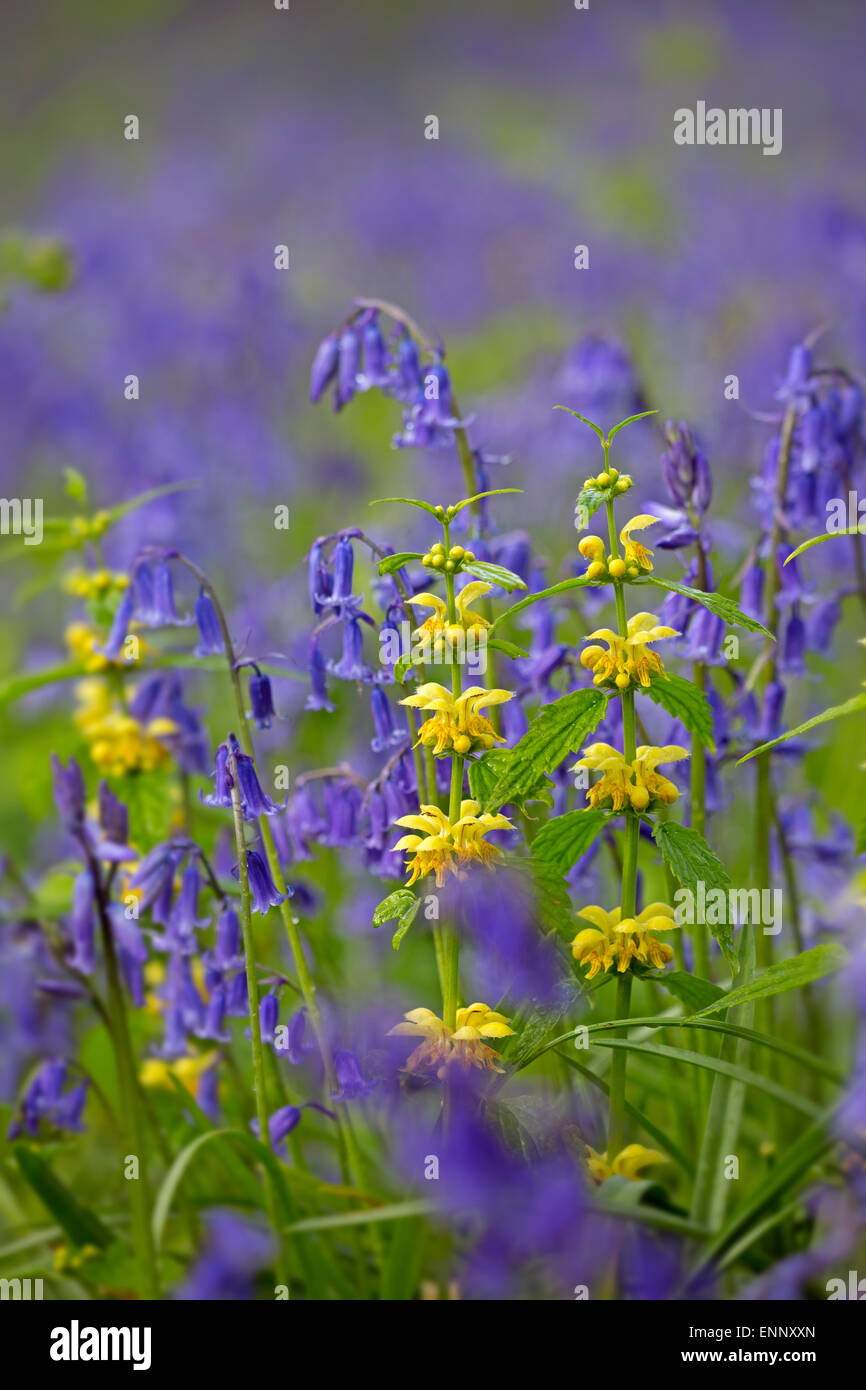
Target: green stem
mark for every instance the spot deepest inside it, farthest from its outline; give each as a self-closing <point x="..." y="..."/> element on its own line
<point x="253" y="997"/>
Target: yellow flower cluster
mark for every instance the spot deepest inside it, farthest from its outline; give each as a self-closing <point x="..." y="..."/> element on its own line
<point x="456" y="724"/>
<point x="117" y="742"/>
<point x="94" y="584"/>
<point x="637" y="561"/>
<point x="464" y="1044"/>
<point x="467" y="619"/>
<point x="636" y="784"/>
<point x="627" y="660"/>
<point x="628" y="1163"/>
<point x="612" y="941"/>
<point x="444" y="848"/>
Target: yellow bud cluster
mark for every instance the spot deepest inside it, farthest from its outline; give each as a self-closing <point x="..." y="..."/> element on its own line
<point x="94" y="584"/>
<point x="450" y="562"/>
<point x="602" y="567"/>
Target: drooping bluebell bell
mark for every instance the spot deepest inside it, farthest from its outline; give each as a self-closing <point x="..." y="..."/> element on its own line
<point x="261" y="699"/>
<point x="264" y="891"/>
<point x="237" y="996"/>
<point x="214" y="1029"/>
<point x="221" y="794"/>
<point x="211" y="641"/>
<point x="342" y="805"/>
<point x="132" y="952"/>
<point x="83" y="924"/>
<point x="351" y="1082"/>
<point x="324" y="366"/>
<point x="154" y="877"/>
<point x="236" y="1250"/>
<point x="351" y="665"/>
<point x="347" y="366"/>
<point x="407" y="368"/>
<point x="387" y="733"/>
<point x="320" y="580"/>
<point x="120" y="625"/>
<point x="46" y="1100"/>
<point x="375" y="371"/>
<point x="153" y="588"/>
<point x="69" y="793"/>
<point x="304" y="821"/>
<point x="318" y="696"/>
<point x="269" y="1017"/>
<point x="184" y="921"/>
<point x="752" y="592"/>
<point x="113" y="820"/>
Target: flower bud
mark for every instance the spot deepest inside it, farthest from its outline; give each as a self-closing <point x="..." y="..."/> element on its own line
<point x="591" y="547"/>
<point x="616" y="568"/>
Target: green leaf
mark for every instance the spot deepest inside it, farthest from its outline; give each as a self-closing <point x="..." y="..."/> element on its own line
<point x="792" y="973"/>
<point x="596" y="429"/>
<point x="495" y="492"/>
<point x="397" y="1211"/>
<point x="556" y="731"/>
<point x="562" y="841"/>
<point x="82" y="1226"/>
<point x="484" y="772"/>
<point x="691" y="861"/>
<point x="75" y="485"/>
<point x="551" y="904"/>
<point x="691" y="990"/>
<point x="730" y="1070"/>
<point x="141" y="499"/>
<point x="630" y="421"/>
<point x="589" y="500"/>
<point x="507" y="648"/>
<point x="724" y="608"/>
<point x="686" y="702"/>
<point x="410" y="502"/>
<point x="852" y="706"/>
<point x="580" y="582"/>
<point x="493" y="574"/>
<point x="657" y="1135"/>
<point x="396" y="562"/>
<point x="827" y="536"/>
<point x="397" y="904"/>
<point x="406" y="921"/>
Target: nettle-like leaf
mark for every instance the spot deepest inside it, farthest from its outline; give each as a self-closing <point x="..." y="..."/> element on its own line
<point x="493" y="574"/>
<point x="590" y="500"/>
<point x="692" y="861"/>
<point x="724" y="608"/>
<point x="855" y="705"/>
<point x="691" y="990"/>
<point x="485" y="772"/>
<point x="396" y="562"/>
<point x="402" y="905"/>
<point x="563" y="840"/>
<point x="686" y="702"/>
<point x="556" y="731"/>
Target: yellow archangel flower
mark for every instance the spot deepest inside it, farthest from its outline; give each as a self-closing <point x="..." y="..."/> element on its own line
<point x="119" y="743"/>
<point x="441" y="1045"/>
<point x="467" y="620"/>
<point x="628" y="1162"/>
<point x="456" y="724"/>
<point x="635" y="553"/>
<point x="444" y="848"/>
<point x="637" y="784"/>
<point x="628" y="660"/>
<point x="612" y="940"/>
<point x="157" y="1073"/>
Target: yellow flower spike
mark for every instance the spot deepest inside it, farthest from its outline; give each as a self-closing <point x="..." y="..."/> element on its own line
<point x="634" y="551"/>
<point x="445" y="848"/>
<point x="477" y="589"/>
<point x="467" y="620"/>
<point x="628" y="1163"/>
<point x="456" y="724"/>
<point x="627" y="661"/>
<point x="157" y="1073"/>
<point x="637" y="784"/>
<point x="611" y="941"/>
<point x="441" y="1046"/>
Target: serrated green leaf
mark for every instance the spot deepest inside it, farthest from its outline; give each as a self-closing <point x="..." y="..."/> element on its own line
<point x="563" y="840"/>
<point x="852" y="706"/>
<point x="590" y="500"/>
<point x="724" y="608"/>
<point x="396" y="904"/>
<point x="686" y="702"/>
<point x="556" y="731"/>
<point x="692" y="861"/>
<point x="691" y="990"/>
<point x="792" y="973"/>
<point x="493" y="574"/>
<point x="396" y="562"/>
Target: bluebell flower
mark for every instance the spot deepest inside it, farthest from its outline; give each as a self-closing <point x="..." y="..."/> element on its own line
<point x="324" y="366"/>
<point x="347" y="366"/>
<point x="235" y="1251"/>
<point x="226" y="954"/>
<point x="154" y="876"/>
<point x="320" y="580"/>
<point x="45" y="1100"/>
<point x="269" y="1017"/>
<point x="83" y="925"/>
<point x="297" y="1049"/>
<point x="351" y="1083"/>
<point x="119" y="629"/>
<point x="154" y="596"/>
<point x="237" y="996"/>
<point x="211" y="641"/>
<point x="351" y="665"/>
<point x="214" y="1029"/>
<point x="132" y="952"/>
<point x="264" y="890"/>
<point x="793" y="645"/>
<point x="387" y="733"/>
<point x="221" y="794"/>
<point x="254" y="801"/>
<point x="261" y="699"/>
<point x="113" y="820"/>
<point x="798" y="382"/>
<point x="183" y="919"/>
<point x="305" y="822"/>
<point x="752" y="592"/>
<point x="407" y="368"/>
<point x="69" y="793"/>
<point x="318" y="696"/>
<point x="375" y="371"/>
<point x="342" y="806"/>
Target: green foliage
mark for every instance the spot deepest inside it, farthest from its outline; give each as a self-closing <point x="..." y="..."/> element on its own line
<point x="855" y="705"/>
<point x="493" y="574"/>
<point x="793" y="973"/>
<point x="692" y="861"/>
<point x="562" y="841"/>
<point x="686" y="702"/>
<point x="556" y="731"/>
<point x="724" y="608"/>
